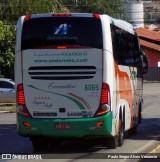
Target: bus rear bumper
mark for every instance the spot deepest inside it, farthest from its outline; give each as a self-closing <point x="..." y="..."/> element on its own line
<point x="65" y="128"/>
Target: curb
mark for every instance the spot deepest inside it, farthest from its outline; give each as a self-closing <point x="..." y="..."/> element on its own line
<point x="2" y="112"/>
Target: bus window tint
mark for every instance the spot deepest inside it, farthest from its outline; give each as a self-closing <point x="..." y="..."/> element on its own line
<point x="125" y="47"/>
<point x="55" y="31"/>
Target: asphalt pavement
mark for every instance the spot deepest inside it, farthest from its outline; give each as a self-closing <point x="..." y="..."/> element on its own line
<point x="153" y="149"/>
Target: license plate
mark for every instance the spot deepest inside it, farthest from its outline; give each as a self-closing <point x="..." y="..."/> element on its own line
<point x="62" y="126"/>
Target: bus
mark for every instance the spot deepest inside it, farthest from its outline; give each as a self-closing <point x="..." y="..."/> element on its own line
<point x="78" y="76"/>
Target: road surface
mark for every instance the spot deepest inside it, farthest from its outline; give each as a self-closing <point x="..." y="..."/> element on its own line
<point x="143" y="142"/>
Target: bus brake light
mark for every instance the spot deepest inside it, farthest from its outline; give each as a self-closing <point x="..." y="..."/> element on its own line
<point x="21" y="104"/>
<point x="57" y="14"/>
<point x="105" y="102"/>
<point x="20" y="95"/>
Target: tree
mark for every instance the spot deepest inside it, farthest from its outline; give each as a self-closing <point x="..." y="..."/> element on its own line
<point x="7" y="46"/>
<point x="10" y="11"/>
<point x="113" y="8"/>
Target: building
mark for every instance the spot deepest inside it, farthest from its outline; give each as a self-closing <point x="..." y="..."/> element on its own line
<point x="150" y="44"/>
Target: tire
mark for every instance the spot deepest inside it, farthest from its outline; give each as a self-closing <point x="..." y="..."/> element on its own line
<point x="120" y="133"/>
<point x="54" y="145"/>
<point x="139" y="115"/>
<point x="39" y="144"/>
<point x="112" y="142"/>
<point x="132" y="131"/>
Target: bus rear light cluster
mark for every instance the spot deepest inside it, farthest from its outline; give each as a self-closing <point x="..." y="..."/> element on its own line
<point x="21" y="104"/>
<point x="105" y="102"/>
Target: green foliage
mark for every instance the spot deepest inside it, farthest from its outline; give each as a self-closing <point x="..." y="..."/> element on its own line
<point x="10" y="12"/>
<point x="7" y="46"/>
<point x="113" y="8"/>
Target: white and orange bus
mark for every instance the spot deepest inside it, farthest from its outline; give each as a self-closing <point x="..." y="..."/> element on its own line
<point x="77" y="75"/>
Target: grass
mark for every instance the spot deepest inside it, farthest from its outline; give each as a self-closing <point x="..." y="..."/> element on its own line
<point x="8" y="107"/>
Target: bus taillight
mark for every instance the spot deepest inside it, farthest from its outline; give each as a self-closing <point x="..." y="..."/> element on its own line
<point x="20" y="94"/>
<point x="105" y="103"/>
<point x="21" y="104"/>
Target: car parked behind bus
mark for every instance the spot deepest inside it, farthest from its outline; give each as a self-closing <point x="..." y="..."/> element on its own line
<point x="7" y="91"/>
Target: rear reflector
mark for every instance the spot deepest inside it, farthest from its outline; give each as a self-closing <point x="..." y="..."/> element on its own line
<point x="26" y="124"/>
<point x="99" y="124"/>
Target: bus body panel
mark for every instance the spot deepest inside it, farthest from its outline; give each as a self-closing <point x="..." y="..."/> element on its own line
<point x="82" y="127"/>
<point x="67" y="80"/>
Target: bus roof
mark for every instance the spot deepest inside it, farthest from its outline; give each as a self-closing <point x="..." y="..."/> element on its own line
<point x="63" y="14"/>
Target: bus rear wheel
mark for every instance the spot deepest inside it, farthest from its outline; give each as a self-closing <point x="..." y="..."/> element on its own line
<point x="120" y="133"/>
<point x="133" y="130"/>
<point x="39" y="144"/>
<point x="113" y="142"/>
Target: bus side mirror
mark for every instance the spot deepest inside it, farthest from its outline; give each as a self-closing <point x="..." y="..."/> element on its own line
<point x="144" y="63"/>
<point x="145" y="68"/>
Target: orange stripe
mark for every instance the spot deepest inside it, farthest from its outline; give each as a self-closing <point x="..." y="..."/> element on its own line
<point x="125" y="88"/>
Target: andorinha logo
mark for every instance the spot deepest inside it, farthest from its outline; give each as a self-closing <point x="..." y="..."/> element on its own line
<point x="62" y="29"/>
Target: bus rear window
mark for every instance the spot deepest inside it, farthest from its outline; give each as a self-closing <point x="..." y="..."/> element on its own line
<point x="55" y="31"/>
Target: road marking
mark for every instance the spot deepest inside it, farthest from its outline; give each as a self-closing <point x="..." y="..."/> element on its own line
<point x="154" y="150"/>
<point x="140" y="150"/>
